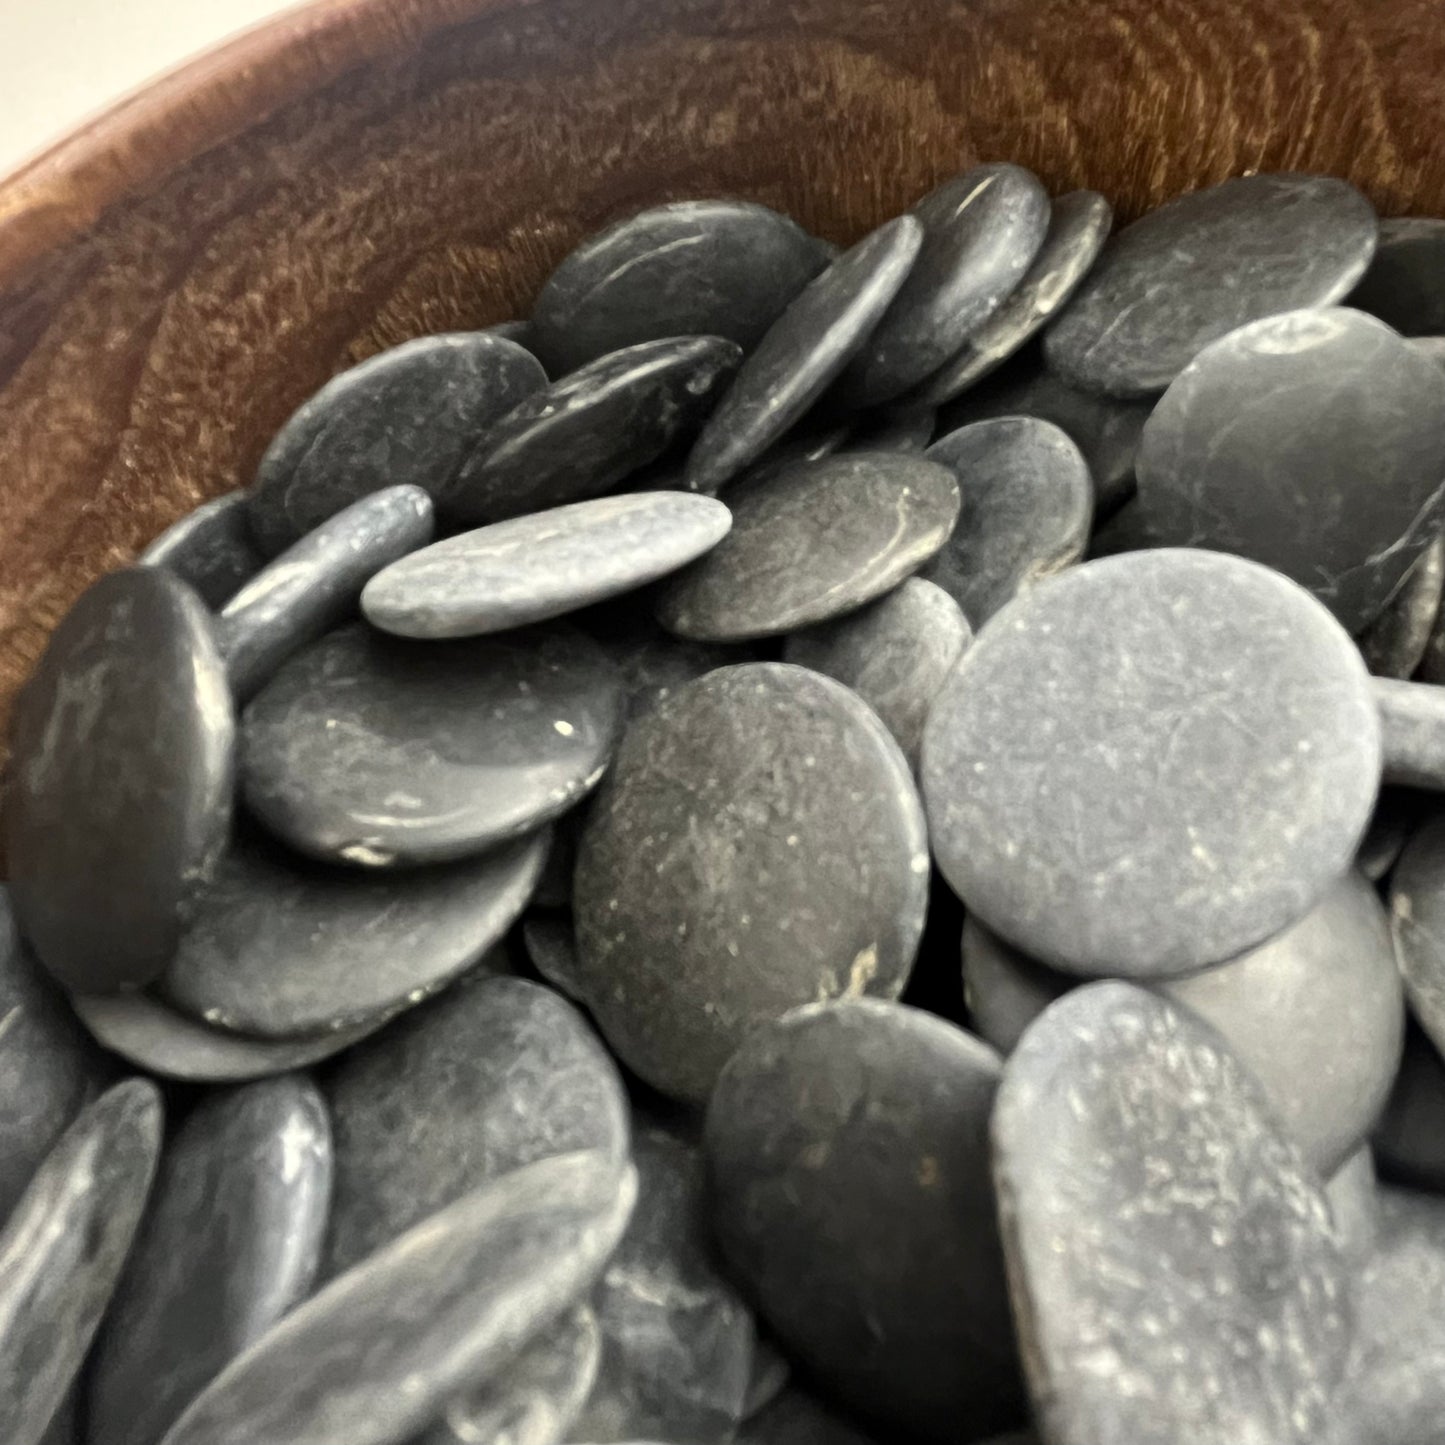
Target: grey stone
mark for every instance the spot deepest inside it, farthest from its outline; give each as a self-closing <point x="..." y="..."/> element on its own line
<point x="533" y="568"/>
<point x="1354" y="1197"/>
<point x="1409" y="1141"/>
<point x="496" y="1074"/>
<point x="229" y="1243"/>
<point x="378" y="1352"/>
<point x="63" y="1249"/>
<point x="894" y="429"/>
<point x="315" y="584"/>
<point x="981" y="233"/>
<point x="813" y="542"/>
<point x="1395" y="643"/>
<point x="1028" y="504"/>
<point x="1397" y="811"/>
<point x="1313" y="442"/>
<point x="1235" y="706"/>
<point x="693" y="268"/>
<point x="1187" y="273"/>
<point x="583" y="434"/>
<point x="1432" y="347"/>
<point x="894" y="653"/>
<point x="121" y="763"/>
<point x="797" y="1418"/>
<point x="210" y="548"/>
<point x="1412" y="732"/>
<point x="409" y="415"/>
<point x="806" y="348"/>
<point x="758" y="845"/>
<point x="847" y="1145"/>
<point x="552" y="948"/>
<point x="1173" y="1264"/>
<point x="1405" y="285"/>
<point x="372" y="751"/>
<point x="64" y="1427"/>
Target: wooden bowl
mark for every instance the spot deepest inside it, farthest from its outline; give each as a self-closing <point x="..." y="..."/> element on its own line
<point x="178" y="274"/>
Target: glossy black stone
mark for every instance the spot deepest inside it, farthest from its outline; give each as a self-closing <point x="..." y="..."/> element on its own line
<point x="823" y="1125"/>
<point x="315" y="584"/>
<point x="119" y="795"/>
<point x="229" y="1243"/>
<point x="1412" y="732"/>
<point x="1313" y="442"/>
<point x="694" y="268"/>
<point x="583" y="434"/>
<point x="409" y="415"/>
<point x="373" y="751"/>
<point x="497" y="1073"/>
<point x="813" y="542"/>
<point x="1196" y="268"/>
<point x="1395" y="643"/>
<point x="1405" y="285"/>
<point x="212" y="549"/>
<point x="1173" y="1264"/>
<point x="758" y="845"/>
<point x="1149" y="763"/>
<point x="1409" y="1141"/>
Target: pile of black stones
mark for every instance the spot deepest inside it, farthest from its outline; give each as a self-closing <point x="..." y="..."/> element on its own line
<point x="481" y="960"/>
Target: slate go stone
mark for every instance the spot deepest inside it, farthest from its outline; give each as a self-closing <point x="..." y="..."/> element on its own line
<point x="1191" y="271"/>
<point x="211" y="548"/>
<point x="1174" y="1268"/>
<point x="759" y="845"/>
<point x="1404" y="285"/>
<point x="533" y="568"/>
<point x="1412" y="731"/>
<point x="122" y="748"/>
<point x="367" y="750"/>
<point x="1313" y="442"/>
<point x="811" y="543"/>
<point x="1151" y="762"/>
<point x="229" y="1243"/>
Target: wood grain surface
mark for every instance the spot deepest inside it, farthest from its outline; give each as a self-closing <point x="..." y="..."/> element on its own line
<point x="177" y="276"/>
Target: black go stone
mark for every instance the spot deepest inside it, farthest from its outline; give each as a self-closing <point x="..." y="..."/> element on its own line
<point x="212" y="549"/>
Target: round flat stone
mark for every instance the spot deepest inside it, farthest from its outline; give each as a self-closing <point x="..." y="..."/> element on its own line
<point x="533" y="568"/>
<point x="894" y="653"/>
<point x="122" y="747"/>
<point x="1405" y="285"/>
<point x="1409" y="1141"/>
<point x="759" y="845"/>
<point x="1173" y="1264"/>
<point x="813" y="542"/>
<point x="693" y="268"/>
<point x="806" y="348"/>
<point x="981" y="233"/>
<point x="316" y="583"/>
<point x="1184" y="275"/>
<point x="376" y="1355"/>
<point x="496" y="1074"/>
<point x="212" y="549"/>
<point x="1313" y="442"/>
<point x="62" y="1250"/>
<point x="1028" y="504"/>
<point x="583" y="434"/>
<point x="367" y="750"/>
<point x="1078" y="227"/>
<point x="410" y="415"/>
<point x="229" y="1243"/>
<point x="279" y="947"/>
<point x="1394" y="644"/>
<point x="796" y="1418"/>
<point x="1150" y="763"/>
<point x="1412" y="732"/>
<point x="1354" y="1197"/>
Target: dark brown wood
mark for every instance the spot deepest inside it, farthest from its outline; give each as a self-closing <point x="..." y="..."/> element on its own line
<point x="177" y="275"/>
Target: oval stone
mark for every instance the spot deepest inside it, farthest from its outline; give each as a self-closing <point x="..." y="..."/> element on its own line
<point x="1395" y="643"/>
<point x="1405" y="285"/>
<point x="211" y="549"/>
<point x="1412" y="733"/>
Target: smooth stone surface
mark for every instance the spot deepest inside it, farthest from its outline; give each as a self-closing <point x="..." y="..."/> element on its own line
<point x="315" y="584"/>
<point x="1397" y="812"/>
<point x="895" y="654"/>
<point x="496" y="1074"/>
<point x="693" y="268"/>
<point x="551" y="946"/>
<point x="1150" y="763"/>
<point x="1205" y="263"/>
<point x="981" y="233"/>
<point x="1313" y="442"/>
<point x="583" y="434"/>
<point x="229" y="1243"/>
<point x="1405" y="285"/>
<point x="1079" y="224"/>
<point x="409" y="415"/>
<point x="376" y="1354"/>
<point x="280" y="948"/>
<point x="806" y="348"/>
<point x="813" y="542"/>
<point x="758" y="845"/>
<point x="894" y="429"/>
<point x="120" y="778"/>
<point x="1394" y="644"/>
<point x="1412" y="732"/>
<point x="1174" y="1268"/>
<point x="212" y="549"/>
<point x="1417" y="913"/>
<point x="1028" y="504"/>
<point x="534" y="568"/>
<point x="848" y="1151"/>
<point x="1354" y="1196"/>
<point x="373" y="751"/>
<point x="63" y="1248"/>
<point x="1409" y="1141"/>
<point x="1430" y="346"/>
<point x="796" y="1418"/>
